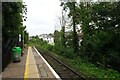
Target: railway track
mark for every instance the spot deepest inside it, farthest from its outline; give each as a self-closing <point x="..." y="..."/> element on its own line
<point x="62" y="70"/>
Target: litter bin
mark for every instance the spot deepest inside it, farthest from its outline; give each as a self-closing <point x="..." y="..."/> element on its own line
<point x="16" y="53"/>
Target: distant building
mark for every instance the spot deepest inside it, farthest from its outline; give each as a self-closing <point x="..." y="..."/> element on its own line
<point x="48" y="38"/>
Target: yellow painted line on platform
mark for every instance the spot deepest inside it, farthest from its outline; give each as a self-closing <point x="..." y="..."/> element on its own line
<point x="52" y="70"/>
<point x="27" y="66"/>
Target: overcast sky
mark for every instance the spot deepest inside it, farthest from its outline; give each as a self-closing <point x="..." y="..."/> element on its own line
<point x="42" y="16"/>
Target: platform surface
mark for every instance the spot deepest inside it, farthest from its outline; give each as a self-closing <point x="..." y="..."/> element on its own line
<point x="32" y="65"/>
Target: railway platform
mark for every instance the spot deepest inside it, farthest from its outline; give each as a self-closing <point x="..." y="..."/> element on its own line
<point x="32" y="65"/>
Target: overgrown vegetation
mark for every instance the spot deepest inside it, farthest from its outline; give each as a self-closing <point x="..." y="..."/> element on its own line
<point x="92" y="43"/>
<point x="13" y="15"/>
<point x="36" y="41"/>
<point x="80" y="65"/>
<point x="100" y="28"/>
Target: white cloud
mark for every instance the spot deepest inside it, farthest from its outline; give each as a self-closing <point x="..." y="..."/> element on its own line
<point x="42" y="15"/>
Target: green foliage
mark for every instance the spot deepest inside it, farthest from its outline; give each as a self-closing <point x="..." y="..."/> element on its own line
<point x="26" y="37"/>
<point x="88" y="70"/>
<point x="68" y="53"/>
<point x="12" y="15"/>
<point x="49" y="47"/>
<point x="72" y="13"/>
<point x="36" y="41"/>
<point x="82" y="66"/>
<point x="57" y="37"/>
<point x="100" y="26"/>
<point x="12" y="22"/>
<point x="57" y="49"/>
<point x="64" y="46"/>
<point x="100" y="39"/>
<point x="63" y="41"/>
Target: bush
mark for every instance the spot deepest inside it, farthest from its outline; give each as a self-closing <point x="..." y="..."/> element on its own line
<point x="49" y="47"/>
<point x="64" y="51"/>
<point x="68" y="53"/>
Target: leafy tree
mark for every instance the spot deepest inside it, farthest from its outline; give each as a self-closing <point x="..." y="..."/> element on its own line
<point x="12" y="14"/>
<point x="100" y="27"/>
<point x="100" y="33"/>
<point x="72" y="7"/>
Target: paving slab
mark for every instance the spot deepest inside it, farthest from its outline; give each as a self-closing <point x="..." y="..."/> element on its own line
<point x="16" y="69"/>
<point x="31" y="66"/>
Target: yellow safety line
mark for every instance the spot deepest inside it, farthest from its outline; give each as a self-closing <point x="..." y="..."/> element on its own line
<point x="27" y="66"/>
